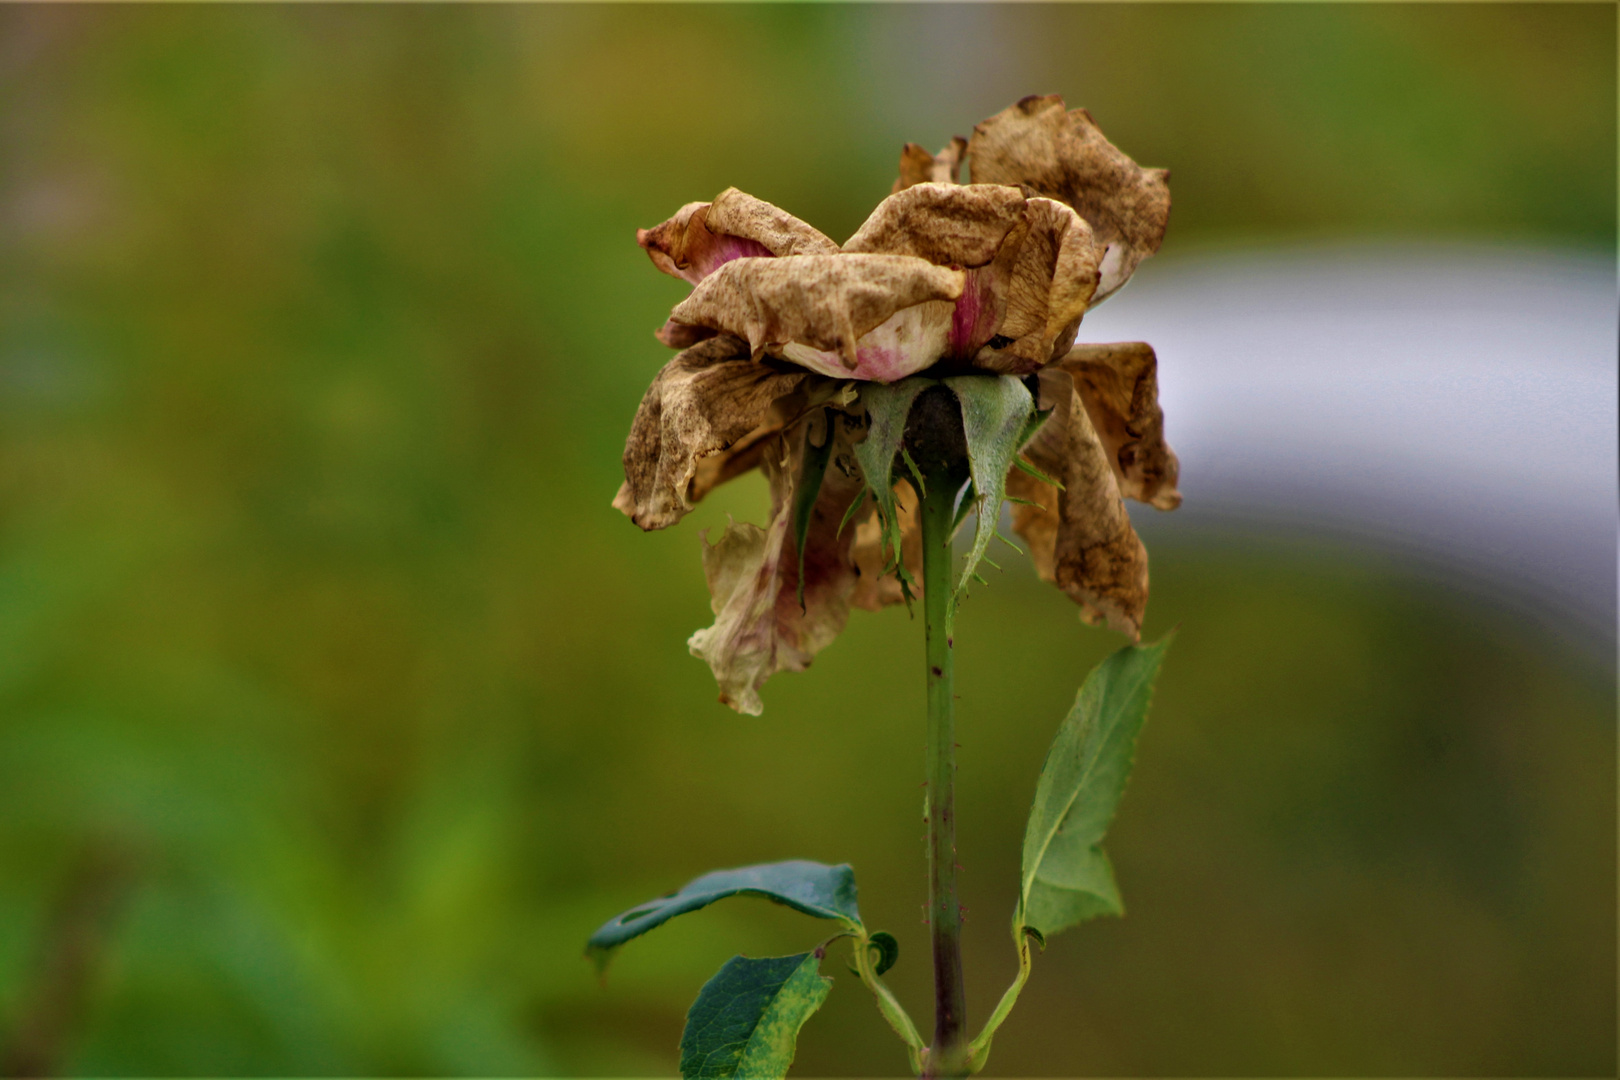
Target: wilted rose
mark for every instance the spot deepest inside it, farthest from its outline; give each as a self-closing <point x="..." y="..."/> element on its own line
<point x="783" y="327"/>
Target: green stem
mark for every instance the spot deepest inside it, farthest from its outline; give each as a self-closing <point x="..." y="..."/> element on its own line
<point x="888" y="1005"/>
<point x="979" y="1051"/>
<point x="948" y="1056"/>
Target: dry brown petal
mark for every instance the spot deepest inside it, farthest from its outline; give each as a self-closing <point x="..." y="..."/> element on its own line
<point x="753" y="574"/>
<point x="736" y="213"/>
<point x="948" y="224"/>
<point x="1063" y="155"/>
<point x="747" y="452"/>
<point x="824" y="301"/>
<point x="1080" y="538"/>
<point x="905" y="343"/>
<point x="740" y="457"/>
<point x="686" y="248"/>
<point x="680" y="336"/>
<point x="702" y="237"/>
<point x="918" y="166"/>
<point x="1046" y="274"/>
<point x="1120" y="388"/>
<point x="701" y="403"/>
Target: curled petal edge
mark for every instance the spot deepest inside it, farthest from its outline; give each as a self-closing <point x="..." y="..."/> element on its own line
<point x="1118" y="384"/>
<point x="825" y="302"/>
<point x="702" y="237"/>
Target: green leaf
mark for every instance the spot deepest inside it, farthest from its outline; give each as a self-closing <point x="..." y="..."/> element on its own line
<point x="809" y="488"/>
<point x="746" y="1020"/>
<point x="888" y="948"/>
<point x="1066" y="876"/>
<point x="996" y="411"/>
<point x="826" y="892"/>
<point x="887" y="407"/>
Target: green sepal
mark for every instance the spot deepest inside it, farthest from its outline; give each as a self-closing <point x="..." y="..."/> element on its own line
<point x="995" y="412"/>
<point x="965" y="507"/>
<point x="1067" y="877"/>
<point x="888" y="948"/>
<point x="854" y="504"/>
<point x="1023" y="466"/>
<point x="807" y="490"/>
<point x="916" y="473"/>
<point x="745" y="1022"/>
<point x="887" y="407"/>
<point x="1033" y="425"/>
<point x="825" y="892"/>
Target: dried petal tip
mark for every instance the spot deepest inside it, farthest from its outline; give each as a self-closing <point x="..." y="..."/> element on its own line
<point x="1063" y="155"/>
<point x="702" y="403"/>
<point x="1120" y="388"/>
<point x="1080" y="538"/>
<point x="702" y="237"/>
<point x="918" y="166"/>
<point x="684" y="247"/>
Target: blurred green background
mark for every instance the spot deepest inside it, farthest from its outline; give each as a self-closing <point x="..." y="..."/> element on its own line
<point x="337" y="707"/>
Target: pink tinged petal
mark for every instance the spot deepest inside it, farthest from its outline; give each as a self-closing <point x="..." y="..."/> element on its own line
<point x="760" y="627"/>
<point x="1114" y="273"/>
<point x="743" y="571"/>
<point x="820" y="361"/>
<point x="734" y="247"/>
<point x="702" y="237"/>
<point x="1043" y="280"/>
<point x="665" y="243"/>
<point x="737" y="213"/>
<point x="974" y="318"/>
<point x="684" y="247"/>
<point x="904" y="344"/>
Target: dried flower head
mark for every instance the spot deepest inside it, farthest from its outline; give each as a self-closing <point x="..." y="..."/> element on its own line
<point x="788" y="338"/>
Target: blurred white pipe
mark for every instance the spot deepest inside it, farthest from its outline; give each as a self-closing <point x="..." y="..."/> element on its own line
<point x="1457" y="404"/>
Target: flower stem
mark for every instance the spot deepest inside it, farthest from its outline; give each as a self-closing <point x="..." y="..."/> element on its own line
<point x="947" y="1057"/>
